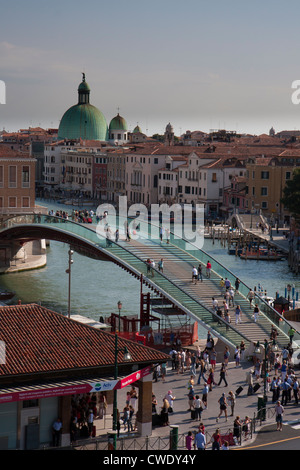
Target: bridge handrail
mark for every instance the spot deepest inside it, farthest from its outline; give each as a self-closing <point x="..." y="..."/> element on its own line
<point x="272" y="314"/>
<point x="37" y="219"/>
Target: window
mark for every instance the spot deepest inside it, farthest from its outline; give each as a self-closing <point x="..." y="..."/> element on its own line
<point x="12" y="176"/>
<point x="264" y="191"/>
<point x="25" y="202"/>
<point x="288" y="175"/>
<point x="264" y="205"/>
<point x="187" y="190"/>
<point x="214" y="178"/>
<point x="264" y="175"/>
<point x="1" y="177"/>
<point x="12" y="201"/>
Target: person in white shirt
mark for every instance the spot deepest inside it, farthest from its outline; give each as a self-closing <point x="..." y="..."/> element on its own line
<point x="215" y="304"/>
<point x="194" y="275"/>
<point x="198" y="406"/>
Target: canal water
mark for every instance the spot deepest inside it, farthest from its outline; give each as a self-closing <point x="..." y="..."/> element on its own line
<point x="97" y="286"/>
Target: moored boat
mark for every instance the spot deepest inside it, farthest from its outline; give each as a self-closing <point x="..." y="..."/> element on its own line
<point x="6" y="295"/>
<point x="261" y="254"/>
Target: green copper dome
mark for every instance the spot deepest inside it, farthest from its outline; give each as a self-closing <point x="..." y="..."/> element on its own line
<point x="137" y="129"/>
<point x="118" y="123"/>
<point x="83" y="120"/>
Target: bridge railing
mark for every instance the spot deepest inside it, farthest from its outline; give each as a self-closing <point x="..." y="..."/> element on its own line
<point x="187" y="302"/>
<point x="222" y="272"/>
<point x="145" y="230"/>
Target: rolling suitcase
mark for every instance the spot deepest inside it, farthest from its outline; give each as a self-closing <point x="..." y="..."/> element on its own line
<point x="256" y="387"/>
<point x="193" y="414"/>
<point x="238" y="391"/>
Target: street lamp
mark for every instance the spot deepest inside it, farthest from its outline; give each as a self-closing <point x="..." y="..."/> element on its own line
<point x="274" y="348"/>
<point x="68" y="271"/>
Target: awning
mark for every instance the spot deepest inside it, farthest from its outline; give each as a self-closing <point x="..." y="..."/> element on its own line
<point x="70" y="387"/>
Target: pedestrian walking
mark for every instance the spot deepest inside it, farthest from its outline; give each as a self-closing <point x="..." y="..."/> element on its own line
<point x="242" y="350"/>
<point x="200" y="275"/>
<point x="208" y="269"/>
<point x="223" y="375"/>
<point x="231" y="296"/>
<point x="211" y="379"/>
<point x="227" y="284"/>
<point x="205" y="395"/>
<point x="194" y="275"/>
<point x="225" y="307"/>
<point x="215" y="304"/>
<point x="213" y="359"/>
<point x="223" y="406"/>
<point x="256" y="313"/>
<point x="250" y="296"/>
<point x="161" y="265"/>
<point x="202" y="370"/>
<point x="238" y="315"/>
<point x="226" y="355"/>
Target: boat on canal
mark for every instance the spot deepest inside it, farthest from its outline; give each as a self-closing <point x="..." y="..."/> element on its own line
<point x="262" y="254"/>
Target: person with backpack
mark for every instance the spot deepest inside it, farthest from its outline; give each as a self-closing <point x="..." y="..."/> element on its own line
<point x="223" y="406"/>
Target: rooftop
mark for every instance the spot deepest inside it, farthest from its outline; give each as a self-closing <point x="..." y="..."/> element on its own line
<point x="38" y="340"/>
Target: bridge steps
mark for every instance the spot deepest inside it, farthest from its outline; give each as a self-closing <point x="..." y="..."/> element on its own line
<point x="178" y="266"/>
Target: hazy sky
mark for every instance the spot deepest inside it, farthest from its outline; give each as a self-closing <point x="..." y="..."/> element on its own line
<point x="198" y="64"/>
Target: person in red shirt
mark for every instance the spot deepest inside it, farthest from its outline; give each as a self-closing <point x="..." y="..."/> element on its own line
<point x="208" y="269"/>
<point x="216" y="440"/>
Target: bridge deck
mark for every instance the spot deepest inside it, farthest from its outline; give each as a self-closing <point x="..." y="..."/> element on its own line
<point x="175" y="282"/>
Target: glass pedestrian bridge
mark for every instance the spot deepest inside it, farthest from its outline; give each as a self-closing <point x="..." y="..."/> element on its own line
<point x="100" y="238"/>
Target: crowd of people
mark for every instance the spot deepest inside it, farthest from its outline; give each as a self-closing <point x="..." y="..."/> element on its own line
<point x="201" y="367"/>
<point x="86" y="408"/>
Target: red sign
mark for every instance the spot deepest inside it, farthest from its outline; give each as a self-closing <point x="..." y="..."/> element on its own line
<point x="74" y="389"/>
<point x="134" y="377"/>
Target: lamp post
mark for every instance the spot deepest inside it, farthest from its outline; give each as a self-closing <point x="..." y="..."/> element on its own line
<point x="274" y="348"/>
<point x="68" y="271"/>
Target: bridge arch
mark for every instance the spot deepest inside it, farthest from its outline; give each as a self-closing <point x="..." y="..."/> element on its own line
<point x="85" y="240"/>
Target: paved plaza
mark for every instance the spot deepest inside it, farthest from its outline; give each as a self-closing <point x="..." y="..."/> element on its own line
<point x="245" y="405"/>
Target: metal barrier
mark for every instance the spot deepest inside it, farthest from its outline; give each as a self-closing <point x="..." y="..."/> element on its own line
<point x="176" y="441"/>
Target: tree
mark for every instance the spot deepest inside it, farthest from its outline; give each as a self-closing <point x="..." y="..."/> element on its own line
<point x="291" y="195"/>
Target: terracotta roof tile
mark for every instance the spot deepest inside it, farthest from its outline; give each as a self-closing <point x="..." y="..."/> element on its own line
<point x="40" y="340"/>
